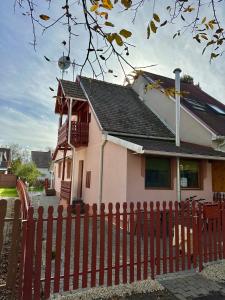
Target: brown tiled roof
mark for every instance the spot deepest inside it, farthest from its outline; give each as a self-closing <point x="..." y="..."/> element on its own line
<point x="214" y="120"/>
<point x="170" y="147"/>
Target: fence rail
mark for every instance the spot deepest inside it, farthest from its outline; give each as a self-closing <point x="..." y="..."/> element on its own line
<point x="67" y="250"/>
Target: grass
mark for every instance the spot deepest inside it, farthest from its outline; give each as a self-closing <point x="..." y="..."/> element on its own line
<point x="8" y="192"/>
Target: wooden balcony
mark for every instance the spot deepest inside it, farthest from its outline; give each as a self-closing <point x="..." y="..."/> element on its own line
<point x="79" y="134"/>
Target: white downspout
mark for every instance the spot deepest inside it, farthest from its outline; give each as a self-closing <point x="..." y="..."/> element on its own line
<point x="73" y="150"/>
<point x="177" y="94"/>
<point x="101" y="170"/>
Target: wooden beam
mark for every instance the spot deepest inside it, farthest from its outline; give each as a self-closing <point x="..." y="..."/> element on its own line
<point x="64" y="163"/>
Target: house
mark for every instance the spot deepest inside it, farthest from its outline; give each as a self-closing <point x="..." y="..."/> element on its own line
<point x="5" y="160"/>
<point x="122" y="148"/>
<point x="42" y="160"/>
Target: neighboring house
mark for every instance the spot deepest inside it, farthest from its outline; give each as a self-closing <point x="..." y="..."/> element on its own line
<point x="124" y="150"/>
<point x="42" y="161"/>
<point x="5" y="160"/>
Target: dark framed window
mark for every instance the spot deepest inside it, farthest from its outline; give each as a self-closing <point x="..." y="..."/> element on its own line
<point x="69" y="163"/>
<point x="190" y="174"/>
<point x="157" y="172"/>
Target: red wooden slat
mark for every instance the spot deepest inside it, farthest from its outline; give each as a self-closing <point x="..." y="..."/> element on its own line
<point x="195" y="234"/>
<point x="117" y="249"/>
<point x="164" y="238"/>
<point x="22" y="259"/>
<point x="223" y="227"/>
<point x="58" y="249"/>
<point x="215" y="238"/>
<point x="85" y="247"/>
<point x="158" y="230"/>
<point x="67" y="250"/>
<point x="77" y="249"/>
<point x="210" y="224"/>
<point x="28" y="268"/>
<point x="145" y="273"/>
<point x="131" y="242"/>
<point x="38" y="255"/>
<point x="189" y="236"/>
<point x="152" y="240"/>
<point x="220" y="232"/>
<point x="205" y="243"/>
<point x="170" y="237"/>
<point x="176" y="224"/>
<point x="109" y="258"/>
<point x="138" y="240"/>
<point x="94" y="245"/>
<point x="102" y="244"/>
<point x="124" y="242"/>
<point x="200" y="237"/>
<point x="48" y="262"/>
<point x="182" y="236"/>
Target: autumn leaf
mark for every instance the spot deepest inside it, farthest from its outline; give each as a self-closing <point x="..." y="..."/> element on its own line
<point x="104" y="14"/>
<point x="107" y="4"/>
<point x="148" y="32"/>
<point x="94" y="7"/>
<point x="125" y="33"/>
<point x="163" y="24"/>
<point x="118" y="40"/>
<point x="153" y="27"/>
<point x="126" y="3"/>
<point x="156" y="17"/>
<point x="203" y="20"/>
<point x="44" y="17"/>
<point x="109" y="24"/>
<point x="214" y="55"/>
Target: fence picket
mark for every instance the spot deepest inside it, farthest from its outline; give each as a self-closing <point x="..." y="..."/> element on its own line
<point x="109" y="258"/>
<point x="138" y="240"/>
<point x="152" y="240"/>
<point x="189" y="236"/>
<point x="200" y="236"/>
<point x="76" y="249"/>
<point x="48" y="263"/>
<point x="177" y="250"/>
<point x="117" y="248"/>
<point x="102" y="244"/>
<point x="29" y="254"/>
<point x="67" y="250"/>
<point x="145" y="261"/>
<point x="58" y="249"/>
<point x="131" y="242"/>
<point x="124" y="242"/>
<point x="164" y="238"/>
<point x="170" y="237"/>
<point x="3" y="205"/>
<point x="158" y="231"/>
<point x="183" y="242"/>
<point x="38" y="255"/>
<point x="94" y="245"/>
<point x="85" y="246"/>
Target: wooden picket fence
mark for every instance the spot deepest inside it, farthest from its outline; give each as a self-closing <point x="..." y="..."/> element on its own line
<point x="70" y="250"/>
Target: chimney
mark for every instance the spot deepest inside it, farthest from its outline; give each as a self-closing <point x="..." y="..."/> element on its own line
<point x="177" y="96"/>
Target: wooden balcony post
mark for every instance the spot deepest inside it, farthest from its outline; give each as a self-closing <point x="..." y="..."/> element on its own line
<point x="64" y="163"/>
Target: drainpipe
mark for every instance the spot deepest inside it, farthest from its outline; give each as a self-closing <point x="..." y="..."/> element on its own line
<point x="101" y="170"/>
<point x="73" y="151"/>
<point x="177" y="94"/>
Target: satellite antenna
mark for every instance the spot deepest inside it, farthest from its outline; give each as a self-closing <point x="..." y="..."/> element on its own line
<point x="64" y="63"/>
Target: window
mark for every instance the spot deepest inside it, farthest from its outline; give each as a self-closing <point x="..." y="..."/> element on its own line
<point x="68" y="170"/>
<point x="88" y="179"/>
<point x="217" y="109"/>
<point x="190" y="174"/>
<point x="157" y="173"/>
<point x="59" y="169"/>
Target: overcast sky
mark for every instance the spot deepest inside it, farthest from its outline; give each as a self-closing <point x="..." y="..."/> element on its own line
<point x="26" y="104"/>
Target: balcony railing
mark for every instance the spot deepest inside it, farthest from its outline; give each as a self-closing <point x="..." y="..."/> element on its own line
<point x="79" y="134"/>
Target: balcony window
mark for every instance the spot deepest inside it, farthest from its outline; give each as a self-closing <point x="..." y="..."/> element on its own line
<point x="157" y="173"/>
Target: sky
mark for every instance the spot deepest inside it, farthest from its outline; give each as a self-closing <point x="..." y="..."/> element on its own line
<point x="26" y="102"/>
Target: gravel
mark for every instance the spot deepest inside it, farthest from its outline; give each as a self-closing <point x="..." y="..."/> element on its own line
<point x="215" y="272"/>
<point x="113" y="292"/>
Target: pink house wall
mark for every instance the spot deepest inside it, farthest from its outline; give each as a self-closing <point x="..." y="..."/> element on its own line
<point x="136" y="183"/>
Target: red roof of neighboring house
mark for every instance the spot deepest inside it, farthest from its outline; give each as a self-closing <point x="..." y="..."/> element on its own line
<point x="198" y="102"/>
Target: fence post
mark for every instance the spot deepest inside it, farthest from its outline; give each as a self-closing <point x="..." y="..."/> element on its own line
<point x="145" y="271"/>
<point x="131" y="253"/>
<point x="125" y="242"/>
<point x="94" y="245"/>
<point x="102" y="244"/>
<point x="29" y="254"/>
<point x="67" y="250"/>
<point x="117" y="249"/>
<point x="85" y="247"/>
<point x="152" y="240"/>
<point x="138" y="239"/>
<point x="200" y="236"/>
<point x="14" y="251"/>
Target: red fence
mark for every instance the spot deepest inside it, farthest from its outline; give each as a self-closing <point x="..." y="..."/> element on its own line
<point x="67" y="250"/>
<point x="24" y="198"/>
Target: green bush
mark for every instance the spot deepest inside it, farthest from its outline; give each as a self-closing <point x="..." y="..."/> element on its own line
<point x="27" y="172"/>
